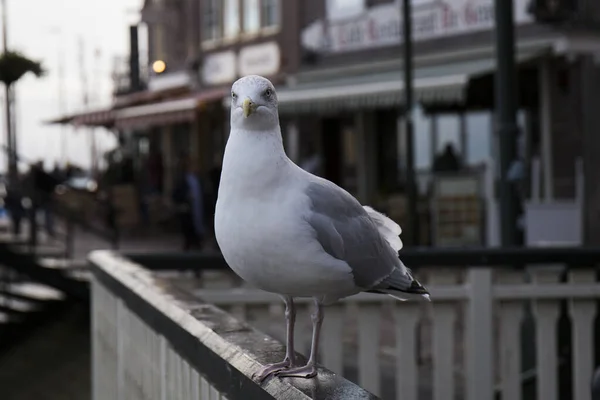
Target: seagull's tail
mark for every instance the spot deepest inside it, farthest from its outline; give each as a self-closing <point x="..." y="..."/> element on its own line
<point x="402" y="286"/>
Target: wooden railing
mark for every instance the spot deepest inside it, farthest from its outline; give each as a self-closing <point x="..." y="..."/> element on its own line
<point x="153" y="341"/>
<point x="521" y="325"/>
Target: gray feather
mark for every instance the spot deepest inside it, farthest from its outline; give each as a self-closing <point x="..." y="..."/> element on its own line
<point x="346" y="232"/>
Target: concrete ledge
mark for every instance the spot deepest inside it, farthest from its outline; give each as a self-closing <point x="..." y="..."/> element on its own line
<point x="225" y="351"/>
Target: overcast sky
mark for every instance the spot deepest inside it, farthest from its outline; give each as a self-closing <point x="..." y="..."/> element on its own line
<point x="33" y="29"/>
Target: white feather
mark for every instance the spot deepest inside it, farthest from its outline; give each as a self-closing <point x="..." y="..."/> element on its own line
<point x="387" y="227"/>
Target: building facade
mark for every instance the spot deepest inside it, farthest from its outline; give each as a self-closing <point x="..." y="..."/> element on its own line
<point x="337" y="66"/>
<point x="346" y="101"/>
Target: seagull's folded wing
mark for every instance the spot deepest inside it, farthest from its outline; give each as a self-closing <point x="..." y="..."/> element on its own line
<point x="345" y="231"/>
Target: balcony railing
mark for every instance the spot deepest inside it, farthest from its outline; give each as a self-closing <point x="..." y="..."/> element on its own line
<point x="520" y="324"/>
<point x="153" y="341"/>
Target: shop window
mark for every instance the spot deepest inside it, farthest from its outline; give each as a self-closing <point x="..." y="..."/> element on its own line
<point x="251" y="16"/>
<point x="231" y="18"/>
<point x="269" y="15"/>
<point x="212" y="20"/>
<point x="422" y="140"/>
<point x="479" y="129"/>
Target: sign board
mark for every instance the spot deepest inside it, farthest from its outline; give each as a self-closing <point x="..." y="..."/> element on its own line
<point x="381" y="25"/>
<point x="169" y="80"/>
<point x="457" y="211"/>
<point x="260" y="59"/>
<point x="219" y="68"/>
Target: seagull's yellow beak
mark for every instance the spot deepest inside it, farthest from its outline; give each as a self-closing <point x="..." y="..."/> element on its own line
<point x="249" y="107"/>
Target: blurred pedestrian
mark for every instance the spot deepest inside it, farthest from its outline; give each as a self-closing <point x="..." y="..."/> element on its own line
<point x="44" y="185"/>
<point x="14" y="204"/>
<point x="447" y="161"/>
<point x="189" y="205"/>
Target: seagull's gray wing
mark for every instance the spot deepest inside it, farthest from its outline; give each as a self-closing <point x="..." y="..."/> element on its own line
<point x="346" y="232"/>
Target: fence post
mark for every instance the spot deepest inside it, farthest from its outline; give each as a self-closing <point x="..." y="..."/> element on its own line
<point x="70" y="239"/>
<point x="480" y="357"/>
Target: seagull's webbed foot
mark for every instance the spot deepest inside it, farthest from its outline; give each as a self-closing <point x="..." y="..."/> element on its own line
<point x="270" y="369"/>
<point x="307" y="371"/>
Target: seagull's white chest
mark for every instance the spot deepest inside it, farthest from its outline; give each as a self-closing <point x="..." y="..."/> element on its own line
<point x="260" y="223"/>
<point x="254" y="238"/>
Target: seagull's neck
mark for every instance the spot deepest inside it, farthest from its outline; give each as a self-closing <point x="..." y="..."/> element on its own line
<point x="253" y="162"/>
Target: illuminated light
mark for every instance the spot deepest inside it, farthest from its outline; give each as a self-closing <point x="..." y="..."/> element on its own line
<point x="159" y="66"/>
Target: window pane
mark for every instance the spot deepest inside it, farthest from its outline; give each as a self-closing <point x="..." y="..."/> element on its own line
<point x="251" y="15"/>
<point x="212" y="25"/>
<point x="448" y="133"/>
<point x="478" y="137"/>
<point x="232" y="18"/>
<point x="422" y="139"/>
<point x="269" y="13"/>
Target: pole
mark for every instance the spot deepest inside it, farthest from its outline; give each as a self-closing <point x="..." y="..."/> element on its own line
<point x="10" y="142"/>
<point x="411" y="188"/>
<point x="506" y="114"/>
<point x="62" y="101"/>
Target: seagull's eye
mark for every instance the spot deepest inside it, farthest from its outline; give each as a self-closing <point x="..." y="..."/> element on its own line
<point x="268" y="93"/>
<point x="233" y="95"/>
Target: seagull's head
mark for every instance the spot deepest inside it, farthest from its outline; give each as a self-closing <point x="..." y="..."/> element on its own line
<point x="254" y="104"/>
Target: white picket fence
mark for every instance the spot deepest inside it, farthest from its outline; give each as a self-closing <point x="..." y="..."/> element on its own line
<point x="471" y="332"/>
<point x="132" y="361"/>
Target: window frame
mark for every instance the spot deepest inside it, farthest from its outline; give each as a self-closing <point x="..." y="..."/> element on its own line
<point x="226" y="36"/>
<point x="277" y="5"/>
<point x="222" y="38"/>
<point x="218" y="20"/>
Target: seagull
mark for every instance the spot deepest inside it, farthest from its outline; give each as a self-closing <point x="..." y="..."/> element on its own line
<point x="289" y="232"/>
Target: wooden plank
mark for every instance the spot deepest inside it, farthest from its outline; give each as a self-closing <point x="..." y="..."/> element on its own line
<point x="583" y="313"/>
<point x="511" y="316"/>
<point x="406" y="319"/>
<point x="331" y="347"/>
<point x="369" y="325"/>
<point x="480" y="357"/>
<point x="444" y="318"/>
<point x="546" y="316"/>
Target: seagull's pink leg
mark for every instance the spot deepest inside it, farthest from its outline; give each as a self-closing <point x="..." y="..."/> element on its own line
<point x="309" y="370"/>
<point x="290" y="355"/>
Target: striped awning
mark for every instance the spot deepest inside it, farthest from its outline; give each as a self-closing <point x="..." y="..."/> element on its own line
<point x="98" y="118"/>
<point x="440" y="84"/>
<point x="158" y="114"/>
<point x="104" y="118"/>
<point x="166" y="112"/>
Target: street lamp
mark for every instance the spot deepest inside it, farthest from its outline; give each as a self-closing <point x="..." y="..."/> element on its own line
<point x="159" y="66"/>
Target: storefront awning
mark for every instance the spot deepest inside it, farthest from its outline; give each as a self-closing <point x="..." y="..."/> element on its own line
<point x="440" y="84"/>
<point x="97" y="118"/>
<point x="158" y="114"/>
<point x="166" y="112"/>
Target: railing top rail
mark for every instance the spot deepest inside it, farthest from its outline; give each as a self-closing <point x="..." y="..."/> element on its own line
<point x="572" y="257"/>
<point x="222" y="349"/>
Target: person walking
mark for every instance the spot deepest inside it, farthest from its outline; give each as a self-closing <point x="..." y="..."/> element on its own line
<point x="189" y="204"/>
